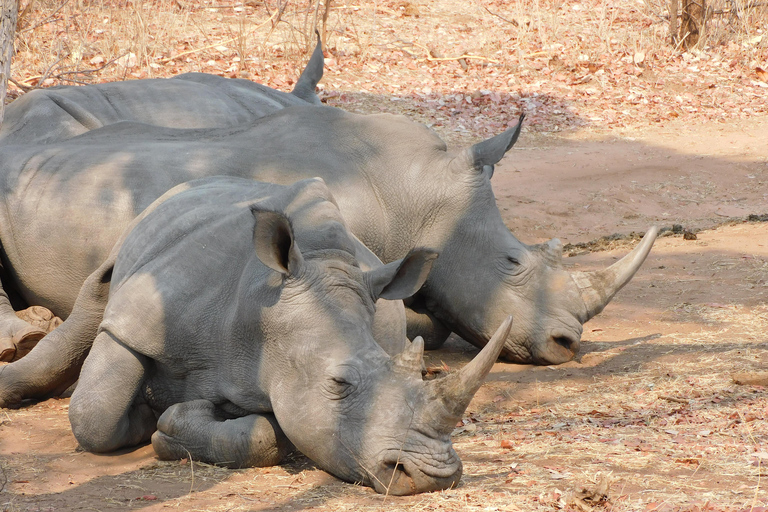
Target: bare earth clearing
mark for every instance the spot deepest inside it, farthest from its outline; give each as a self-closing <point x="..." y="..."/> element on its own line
<point x="649" y="418"/>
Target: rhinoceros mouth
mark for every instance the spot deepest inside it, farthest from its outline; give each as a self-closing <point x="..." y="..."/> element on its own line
<point x="401" y="473"/>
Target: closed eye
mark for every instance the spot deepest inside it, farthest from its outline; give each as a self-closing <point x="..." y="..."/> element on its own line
<point x="342" y="383"/>
<point x="513" y="265"/>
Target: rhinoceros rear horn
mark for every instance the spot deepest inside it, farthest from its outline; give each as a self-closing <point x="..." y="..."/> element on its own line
<point x="411" y="360"/>
<point x="309" y="78"/>
<point x="454" y="391"/>
<point x="598" y="288"/>
<point x="490" y="152"/>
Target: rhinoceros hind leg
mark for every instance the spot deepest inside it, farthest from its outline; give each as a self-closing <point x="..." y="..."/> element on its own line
<point x="193" y="429"/>
<point x="424" y="324"/>
<point x="106" y="411"/>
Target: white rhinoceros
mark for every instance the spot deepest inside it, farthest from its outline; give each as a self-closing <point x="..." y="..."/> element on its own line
<point x="395" y="182"/>
<point x="238" y="323"/>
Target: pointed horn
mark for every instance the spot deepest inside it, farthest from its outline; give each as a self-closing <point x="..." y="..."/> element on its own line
<point x="455" y="391"/>
<point x="598" y="288"/>
<point x="411" y="359"/>
<point x="305" y="86"/>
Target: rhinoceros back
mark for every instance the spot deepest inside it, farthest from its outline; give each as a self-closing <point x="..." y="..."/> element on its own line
<point x="191" y="100"/>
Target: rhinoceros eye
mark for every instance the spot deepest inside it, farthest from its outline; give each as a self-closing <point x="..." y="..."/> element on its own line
<point x="514" y="265"/>
<point x="338" y="388"/>
<point x="341" y="383"/>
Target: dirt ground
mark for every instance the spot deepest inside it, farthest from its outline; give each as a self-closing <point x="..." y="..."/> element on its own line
<point x="649" y="418"/>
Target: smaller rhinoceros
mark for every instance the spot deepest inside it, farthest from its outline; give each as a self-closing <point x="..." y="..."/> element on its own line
<point x="239" y="323"/>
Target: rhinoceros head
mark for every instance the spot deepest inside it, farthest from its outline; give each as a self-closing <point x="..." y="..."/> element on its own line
<point x="357" y="412"/>
<point x="485" y="273"/>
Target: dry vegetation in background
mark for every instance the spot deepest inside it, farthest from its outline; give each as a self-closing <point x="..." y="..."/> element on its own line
<point x="675" y="435"/>
<point x="466" y="67"/>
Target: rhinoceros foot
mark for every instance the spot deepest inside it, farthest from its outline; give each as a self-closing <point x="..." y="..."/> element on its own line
<point x="193" y="429"/>
<point x="21" y="334"/>
<point x="40" y="317"/>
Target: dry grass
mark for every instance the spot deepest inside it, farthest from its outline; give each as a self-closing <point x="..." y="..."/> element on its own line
<point x="465" y="67"/>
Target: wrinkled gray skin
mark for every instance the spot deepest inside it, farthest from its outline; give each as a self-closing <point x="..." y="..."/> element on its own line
<point x="395" y="181"/>
<point x="191" y="100"/>
<point x="238" y="323"/>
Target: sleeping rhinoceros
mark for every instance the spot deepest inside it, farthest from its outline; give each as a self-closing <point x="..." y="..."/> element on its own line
<point x="190" y="100"/>
<point x="395" y="182"/>
<point x="238" y="322"/>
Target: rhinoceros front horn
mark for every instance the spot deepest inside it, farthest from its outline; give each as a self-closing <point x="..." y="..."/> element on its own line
<point x="598" y="288"/>
<point x="453" y="392"/>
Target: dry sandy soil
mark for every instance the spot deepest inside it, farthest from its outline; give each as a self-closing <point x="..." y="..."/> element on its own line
<point x="648" y="418"/>
<point x="622" y="133"/>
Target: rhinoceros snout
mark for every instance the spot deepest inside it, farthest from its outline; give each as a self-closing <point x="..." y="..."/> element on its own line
<point x="398" y="478"/>
<point x="561" y="346"/>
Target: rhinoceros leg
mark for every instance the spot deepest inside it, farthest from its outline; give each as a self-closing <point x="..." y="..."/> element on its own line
<point x="54" y="364"/>
<point x="106" y="412"/>
<point x="421" y="322"/>
<point x="194" y="429"/>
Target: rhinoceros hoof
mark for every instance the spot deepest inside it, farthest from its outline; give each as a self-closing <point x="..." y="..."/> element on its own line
<point x="178" y="429"/>
<point x="20" y="343"/>
<point x="40" y="317"/>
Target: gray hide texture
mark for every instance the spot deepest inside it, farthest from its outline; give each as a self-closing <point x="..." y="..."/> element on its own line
<point x="192" y="100"/>
<point x="395" y="182"/>
<point x="238" y="323"/>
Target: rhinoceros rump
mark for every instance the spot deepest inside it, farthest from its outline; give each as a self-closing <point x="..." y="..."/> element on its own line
<point x="238" y="323"/>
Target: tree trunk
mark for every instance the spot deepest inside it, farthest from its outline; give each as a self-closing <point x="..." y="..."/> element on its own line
<point x="8" y="14"/>
<point x="692" y="22"/>
<point x="673" y="6"/>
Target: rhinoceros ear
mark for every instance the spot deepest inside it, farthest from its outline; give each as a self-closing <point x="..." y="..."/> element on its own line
<point x="274" y="242"/>
<point x="401" y="278"/>
<point x="484" y="155"/>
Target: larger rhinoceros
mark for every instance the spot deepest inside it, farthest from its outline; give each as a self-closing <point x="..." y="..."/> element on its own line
<point x="238" y="323"/>
<point x="395" y="182"/>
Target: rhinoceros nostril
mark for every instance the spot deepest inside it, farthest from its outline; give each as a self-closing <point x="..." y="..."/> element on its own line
<point x="567" y="340"/>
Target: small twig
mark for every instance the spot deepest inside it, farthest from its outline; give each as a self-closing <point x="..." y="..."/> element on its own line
<point x="25" y="88"/>
<point x="512" y="22"/>
<point x="465" y="56"/>
<point x="430" y="58"/>
<point x="49" y="19"/>
<point x="674" y="399"/>
<point x="62" y="79"/>
<point x="192" y="468"/>
<point x="44" y="77"/>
